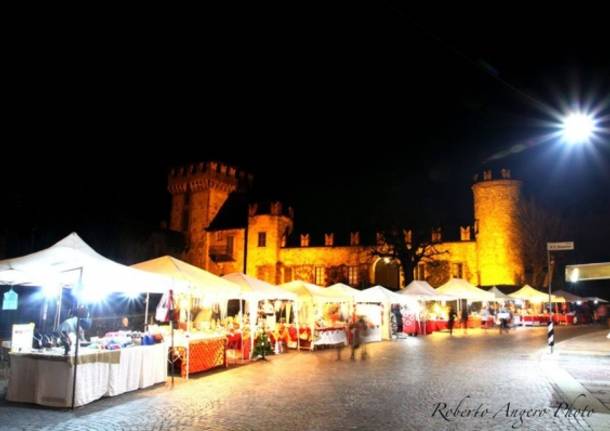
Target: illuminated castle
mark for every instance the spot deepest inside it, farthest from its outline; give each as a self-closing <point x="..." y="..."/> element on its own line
<point x="210" y="208"/>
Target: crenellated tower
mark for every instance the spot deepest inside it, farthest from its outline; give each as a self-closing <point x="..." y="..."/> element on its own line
<point x="198" y="192"/>
<point x="497" y="229"/>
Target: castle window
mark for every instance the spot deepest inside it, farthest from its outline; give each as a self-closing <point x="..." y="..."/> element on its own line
<point x="352" y="275"/>
<point x="457" y="270"/>
<point x="319" y="275"/>
<point x="262" y="239"/>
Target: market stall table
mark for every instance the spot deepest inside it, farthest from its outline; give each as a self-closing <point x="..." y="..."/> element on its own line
<point x="330" y="336"/>
<point x="46" y="378"/>
<point x="204" y="353"/>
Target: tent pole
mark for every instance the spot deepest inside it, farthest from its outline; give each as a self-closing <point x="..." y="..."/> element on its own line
<point x="296" y="313"/>
<point x="241" y="326"/>
<point x="80" y="281"/>
<point x="146" y="311"/>
<point x="58" y="310"/>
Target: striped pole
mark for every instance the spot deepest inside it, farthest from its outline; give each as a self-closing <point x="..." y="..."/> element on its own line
<point x="550" y="332"/>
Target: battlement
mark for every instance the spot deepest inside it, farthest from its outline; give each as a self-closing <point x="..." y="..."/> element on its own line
<point x="275" y="208"/>
<point x="212" y="174"/>
<point x="488" y="175"/>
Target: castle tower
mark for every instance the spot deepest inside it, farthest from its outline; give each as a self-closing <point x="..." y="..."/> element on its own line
<point x="266" y="229"/>
<point x="198" y="192"/>
<point x="498" y="235"/>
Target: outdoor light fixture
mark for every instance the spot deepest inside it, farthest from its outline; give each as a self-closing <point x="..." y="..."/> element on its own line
<point x="578" y="128"/>
<point x="131" y="294"/>
<point x="574" y="275"/>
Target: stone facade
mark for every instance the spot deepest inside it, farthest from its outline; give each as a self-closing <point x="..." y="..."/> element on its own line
<point x="496" y="207"/>
<point x="492" y="256"/>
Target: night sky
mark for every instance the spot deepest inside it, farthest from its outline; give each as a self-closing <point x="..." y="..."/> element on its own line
<point x="356" y="115"/>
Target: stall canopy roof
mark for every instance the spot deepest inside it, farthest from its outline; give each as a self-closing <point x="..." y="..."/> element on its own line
<point x="569" y="297"/>
<point x="498" y="293"/>
<point x="72" y="261"/>
<point x="256" y="289"/>
<point x="422" y="291"/>
<point x="460" y="288"/>
<point x="382" y="295"/>
<point x="595" y="298"/>
<point x="528" y="293"/>
<point x="346" y="290"/>
<point x="313" y="292"/>
<point x="199" y="280"/>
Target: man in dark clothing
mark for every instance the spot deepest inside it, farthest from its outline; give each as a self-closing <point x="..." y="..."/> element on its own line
<point x="465" y="318"/>
<point x="451" y="321"/>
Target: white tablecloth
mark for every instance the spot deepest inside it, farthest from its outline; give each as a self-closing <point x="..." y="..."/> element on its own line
<point x="47" y="381"/>
<point x="333" y="336"/>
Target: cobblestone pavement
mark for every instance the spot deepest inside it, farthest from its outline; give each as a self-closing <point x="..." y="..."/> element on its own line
<point x="396" y="388"/>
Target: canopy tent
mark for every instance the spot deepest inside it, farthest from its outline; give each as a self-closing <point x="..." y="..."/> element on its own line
<point x="528" y="293"/>
<point x="380" y="294"/>
<point x="595" y="299"/>
<point x="253" y="288"/>
<point x="203" y="282"/>
<point x="73" y="262"/>
<point x="422" y="291"/>
<point x="308" y="291"/>
<point x="312" y="299"/>
<point x="344" y="289"/>
<point x="498" y="294"/>
<point x="569" y="297"/>
<point x="384" y="297"/>
<point x="460" y="288"/>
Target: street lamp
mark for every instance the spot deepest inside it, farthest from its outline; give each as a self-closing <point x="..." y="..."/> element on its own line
<point x="578" y="128"/>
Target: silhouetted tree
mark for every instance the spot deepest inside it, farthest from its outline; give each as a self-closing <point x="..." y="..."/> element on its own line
<point x="409" y="247"/>
<point x="538" y="226"/>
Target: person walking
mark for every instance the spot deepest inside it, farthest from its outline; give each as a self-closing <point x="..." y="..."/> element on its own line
<point x="465" y="319"/>
<point x="451" y="321"/>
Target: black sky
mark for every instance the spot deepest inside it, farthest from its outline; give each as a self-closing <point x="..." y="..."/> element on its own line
<point x="353" y="114"/>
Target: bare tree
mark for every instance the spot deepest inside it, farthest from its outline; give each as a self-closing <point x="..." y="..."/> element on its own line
<point x="409" y="247"/>
<point x="538" y="226"/>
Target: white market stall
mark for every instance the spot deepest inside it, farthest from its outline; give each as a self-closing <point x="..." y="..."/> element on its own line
<point x="262" y="299"/>
<point x="201" y="344"/>
<point x="462" y="289"/>
<point x="532" y="313"/>
<point x="377" y="301"/>
<point x="42" y="376"/>
<point x="425" y="319"/>
<point x="322" y="312"/>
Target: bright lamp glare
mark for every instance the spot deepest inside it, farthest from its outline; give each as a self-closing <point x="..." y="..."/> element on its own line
<point x="92" y="296"/>
<point x="574" y="275"/>
<point x="50" y="291"/>
<point x="131" y="295"/>
<point x="578" y="128"/>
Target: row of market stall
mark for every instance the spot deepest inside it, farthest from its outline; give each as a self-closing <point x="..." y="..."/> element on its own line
<point x="200" y="321"/>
